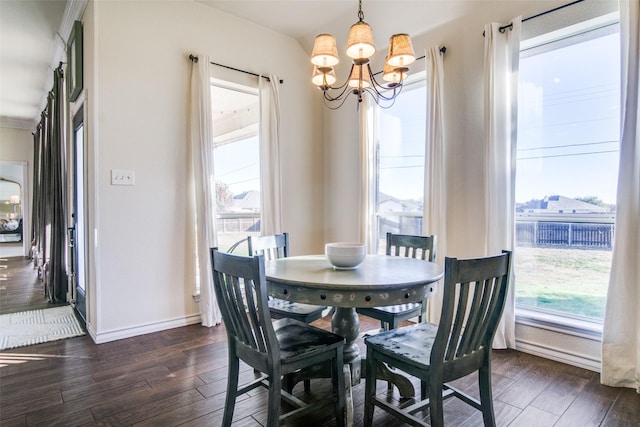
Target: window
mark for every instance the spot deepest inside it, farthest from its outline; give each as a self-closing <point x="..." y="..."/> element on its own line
<point x="567" y="168"/>
<point x="399" y="148"/>
<point x="236" y="114"/>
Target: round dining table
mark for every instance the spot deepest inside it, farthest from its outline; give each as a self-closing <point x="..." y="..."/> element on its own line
<point x="380" y="280"/>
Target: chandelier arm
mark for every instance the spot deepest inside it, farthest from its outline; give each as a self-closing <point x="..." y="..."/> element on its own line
<point x="379" y="93"/>
<point x="328" y="97"/>
<point x="379" y="88"/>
<point x="335" y="99"/>
<point x="342" y="86"/>
<point x="382" y="101"/>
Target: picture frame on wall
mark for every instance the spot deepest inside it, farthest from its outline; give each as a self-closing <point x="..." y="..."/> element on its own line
<point x="74" y="62"/>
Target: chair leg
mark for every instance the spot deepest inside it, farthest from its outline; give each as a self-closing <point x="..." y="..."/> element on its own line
<point x="370" y="388"/>
<point x="232" y="388"/>
<point x="275" y="396"/>
<point x="435" y="404"/>
<point x="486" y="396"/>
<point x="339" y="387"/>
<point x="307" y="386"/>
<point x="393" y="325"/>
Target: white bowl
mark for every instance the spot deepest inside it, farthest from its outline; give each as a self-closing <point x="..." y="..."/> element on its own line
<point x="345" y="255"/>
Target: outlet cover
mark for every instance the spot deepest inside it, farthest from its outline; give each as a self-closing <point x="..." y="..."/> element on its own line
<point x="122" y="177"/>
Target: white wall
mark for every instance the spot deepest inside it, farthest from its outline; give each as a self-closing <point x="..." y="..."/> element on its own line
<point x="137" y="85"/>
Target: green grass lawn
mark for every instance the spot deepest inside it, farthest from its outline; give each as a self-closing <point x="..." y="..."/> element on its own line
<point x="573" y="281"/>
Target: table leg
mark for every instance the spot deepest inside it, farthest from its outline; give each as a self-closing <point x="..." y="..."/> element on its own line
<point x="345" y="322"/>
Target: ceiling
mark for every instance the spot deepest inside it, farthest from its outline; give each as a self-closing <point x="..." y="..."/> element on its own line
<point x="31" y="34"/>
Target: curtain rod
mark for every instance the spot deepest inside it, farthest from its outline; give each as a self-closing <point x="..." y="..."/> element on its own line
<point x="194" y="58"/>
<point x="442" y="50"/>
<point x="510" y="26"/>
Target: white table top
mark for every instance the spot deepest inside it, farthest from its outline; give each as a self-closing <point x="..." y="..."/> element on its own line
<point x="379" y="280"/>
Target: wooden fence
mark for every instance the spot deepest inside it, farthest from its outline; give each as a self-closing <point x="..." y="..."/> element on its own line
<point x="540" y="233"/>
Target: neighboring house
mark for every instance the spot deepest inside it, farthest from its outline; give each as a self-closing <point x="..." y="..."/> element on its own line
<point x="560" y="204"/>
<point x="247" y="201"/>
<point x="391" y="204"/>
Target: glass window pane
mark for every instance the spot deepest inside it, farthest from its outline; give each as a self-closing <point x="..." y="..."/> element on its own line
<point x="567" y="167"/>
<point x="236" y="164"/>
<point x="400" y="164"/>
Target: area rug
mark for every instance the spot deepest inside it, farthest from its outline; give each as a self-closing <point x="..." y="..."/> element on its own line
<point x="38" y="326"/>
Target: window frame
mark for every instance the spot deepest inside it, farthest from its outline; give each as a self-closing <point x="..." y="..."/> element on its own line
<point x="565" y="323"/>
<point x="411" y="83"/>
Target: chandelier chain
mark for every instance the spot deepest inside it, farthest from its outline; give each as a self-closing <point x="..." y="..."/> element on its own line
<point x="360" y="12"/>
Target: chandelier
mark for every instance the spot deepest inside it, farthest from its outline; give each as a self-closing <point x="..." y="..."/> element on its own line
<point x="360" y="47"/>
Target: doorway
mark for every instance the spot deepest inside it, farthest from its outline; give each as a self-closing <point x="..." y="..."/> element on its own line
<point x="77" y="230"/>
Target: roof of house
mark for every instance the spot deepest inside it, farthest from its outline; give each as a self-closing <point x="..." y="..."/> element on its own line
<point x="558" y="203"/>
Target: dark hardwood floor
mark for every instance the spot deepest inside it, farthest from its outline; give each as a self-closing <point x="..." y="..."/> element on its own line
<point x="178" y="377"/>
<point x="20" y="288"/>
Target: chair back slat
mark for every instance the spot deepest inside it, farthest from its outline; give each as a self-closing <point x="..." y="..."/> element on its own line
<point x="473" y="302"/>
<point x="419" y="247"/>
<point x="241" y="291"/>
<point x="272" y="247"/>
<point x="481" y="297"/>
<point x="458" y="321"/>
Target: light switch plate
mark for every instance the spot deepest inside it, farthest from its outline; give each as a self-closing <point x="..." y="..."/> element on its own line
<point x="122" y="177"/>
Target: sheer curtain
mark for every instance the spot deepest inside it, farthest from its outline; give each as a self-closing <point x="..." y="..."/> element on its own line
<point x="501" y="60"/>
<point x="435" y="176"/>
<point x="367" y="177"/>
<point x="202" y="196"/>
<point x="270" y="170"/>
<point x="621" y="334"/>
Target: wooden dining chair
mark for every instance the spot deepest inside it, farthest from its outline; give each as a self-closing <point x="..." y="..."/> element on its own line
<point x="421" y="247"/>
<point x="274" y="348"/>
<point x="473" y="300"/>
<point x="277" y="246"/>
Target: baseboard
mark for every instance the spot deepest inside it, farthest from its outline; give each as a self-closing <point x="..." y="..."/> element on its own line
<point x="570" y="358"/>
<point x="118" y="334"/>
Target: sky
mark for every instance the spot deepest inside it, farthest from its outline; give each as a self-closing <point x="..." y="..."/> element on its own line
<point x="238" y="165"/>
<point x="569" y="104"/>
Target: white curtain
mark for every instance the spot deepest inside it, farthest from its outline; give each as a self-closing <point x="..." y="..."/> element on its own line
<point x="202" y="197"/>
<point x="367" y="215"/>
<point x="621" y="331"/>
<point x="270" y="170"/>
<point x="501" y="60"/>
<point x="435" y="176"/>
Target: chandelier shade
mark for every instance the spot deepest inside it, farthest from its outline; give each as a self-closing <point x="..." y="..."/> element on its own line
<point x="360" y="48"/>
<point x="393" y="75"/>
<point x="400" y="51"/>
<point x="359" y="77"/>
<point x="360" y="44"/>
<point x="323" y="77"/>
<point x="325" y="51"/>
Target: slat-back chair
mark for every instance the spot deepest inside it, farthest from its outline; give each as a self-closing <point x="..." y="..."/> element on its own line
<point x="420" y="247"/>
<point x="473" y="301"/>
<point x="276" y="348"/>
<point x="277" y="246"/>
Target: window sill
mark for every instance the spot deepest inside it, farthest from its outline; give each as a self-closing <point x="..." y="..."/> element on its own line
<point x="563" y="324"/>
